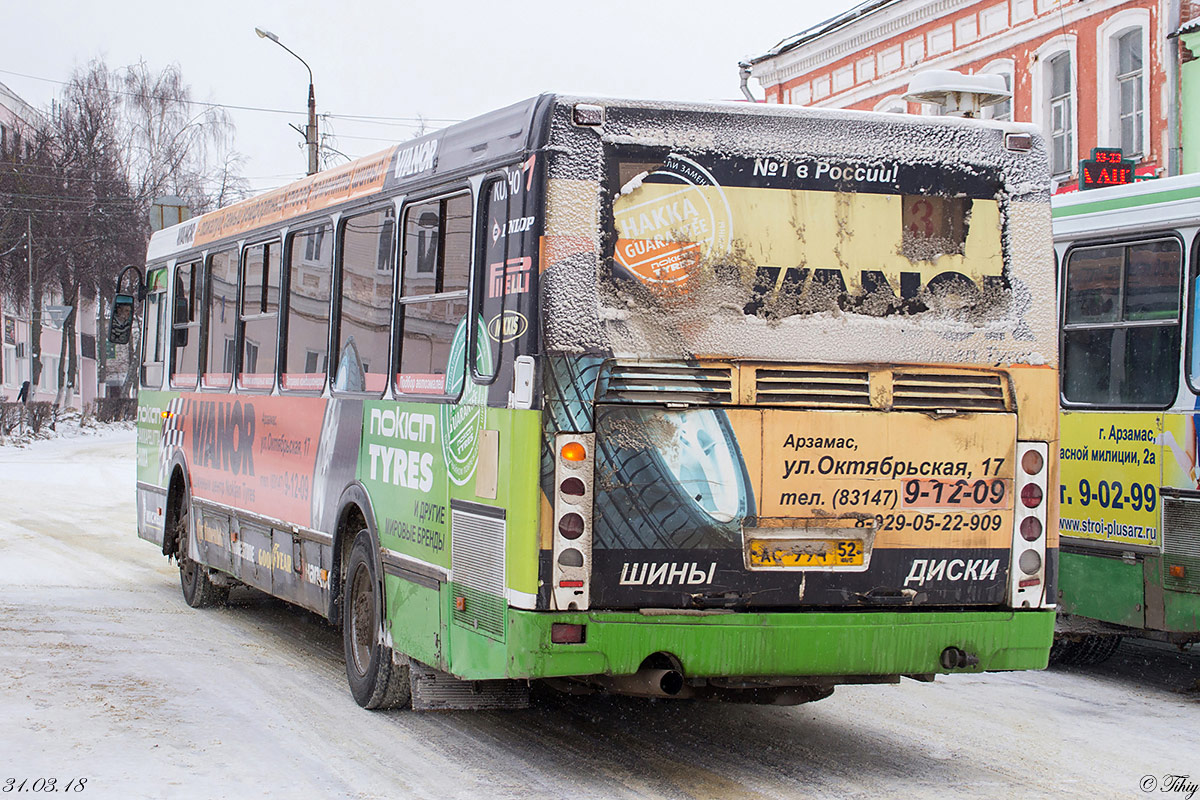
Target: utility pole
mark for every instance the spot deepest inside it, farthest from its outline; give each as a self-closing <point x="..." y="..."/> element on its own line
<point x="310" y="130"/>
<point x="29" y="260"/>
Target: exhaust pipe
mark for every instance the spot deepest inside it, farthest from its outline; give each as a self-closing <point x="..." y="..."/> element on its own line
<point x="648" y="683"/>
<point x="955" y="658"/>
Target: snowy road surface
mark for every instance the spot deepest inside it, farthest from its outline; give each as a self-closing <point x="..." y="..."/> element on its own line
<point x="106" y="675"/>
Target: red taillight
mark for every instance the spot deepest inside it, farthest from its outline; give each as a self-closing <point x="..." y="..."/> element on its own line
<point x="1032" y="462"/>
<point x="571" y="584"/>
<point x="1027" y="582"/>
<point x="571" y="526"/>
<point x="1031" y="529"/>
<point x="1031" y="495"/>
<point x="563" y="633"/>
<point x="573" y="487"/>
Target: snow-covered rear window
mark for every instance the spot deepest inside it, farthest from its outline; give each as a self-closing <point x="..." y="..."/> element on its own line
<point x="786" y="237"/>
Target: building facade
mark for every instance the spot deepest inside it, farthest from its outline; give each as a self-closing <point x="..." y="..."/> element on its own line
<point x="1090" y="73"/>
<point x="16" y="332"/>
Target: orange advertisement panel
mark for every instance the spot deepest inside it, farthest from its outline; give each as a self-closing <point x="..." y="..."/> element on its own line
<point x="253" y="452"/>
<point x="921" y="481"/>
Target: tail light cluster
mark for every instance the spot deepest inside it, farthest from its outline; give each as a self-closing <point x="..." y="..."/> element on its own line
<point x="573" y="483"/>
<point x="1027" y="576"/>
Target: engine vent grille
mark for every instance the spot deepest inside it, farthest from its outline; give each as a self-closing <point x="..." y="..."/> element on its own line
<point x="477" y="566"/>
<point x="638" y="382"/>
<point x="1181" y="543"/>
<point x="812" y="388"/>
<point x="930" y="391"/>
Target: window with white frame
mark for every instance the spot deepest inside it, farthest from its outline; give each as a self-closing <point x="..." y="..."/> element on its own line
<point x="1061" y="113"/>
<point x="1130" y="79"/>
<point x="1003" y="109"/>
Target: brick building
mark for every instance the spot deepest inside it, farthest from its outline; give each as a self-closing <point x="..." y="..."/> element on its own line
<point x="1089" y="72"/>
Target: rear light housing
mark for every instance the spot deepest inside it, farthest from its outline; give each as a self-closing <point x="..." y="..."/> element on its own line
<point x="571" y="569"/>
<point x="1027" y="570"/>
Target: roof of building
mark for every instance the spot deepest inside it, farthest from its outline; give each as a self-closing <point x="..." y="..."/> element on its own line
<point x="830" y="25"/>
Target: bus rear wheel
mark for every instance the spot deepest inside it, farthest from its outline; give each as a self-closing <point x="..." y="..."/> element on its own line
<point x="377" y="680"/>
<point x="198" y="589"/>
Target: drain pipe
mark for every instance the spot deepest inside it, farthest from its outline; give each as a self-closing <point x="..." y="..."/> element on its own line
<point x="744" y="69"/>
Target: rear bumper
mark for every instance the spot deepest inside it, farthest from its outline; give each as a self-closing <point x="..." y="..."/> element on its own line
<point x="780" y="644"/>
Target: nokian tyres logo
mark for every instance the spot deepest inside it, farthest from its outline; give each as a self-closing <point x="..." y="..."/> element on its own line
<point x="463" y="422"/>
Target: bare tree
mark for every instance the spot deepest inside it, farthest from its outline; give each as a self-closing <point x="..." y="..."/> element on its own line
<point x="116" y="141"/>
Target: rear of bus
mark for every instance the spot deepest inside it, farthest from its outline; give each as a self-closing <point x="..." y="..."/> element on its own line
<point x="799" y="376"/>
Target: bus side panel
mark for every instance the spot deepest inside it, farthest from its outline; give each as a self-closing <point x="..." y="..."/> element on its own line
<point x="1103" y="587"/>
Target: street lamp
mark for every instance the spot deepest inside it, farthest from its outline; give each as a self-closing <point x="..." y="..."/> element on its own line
<point x="310" y="132"/>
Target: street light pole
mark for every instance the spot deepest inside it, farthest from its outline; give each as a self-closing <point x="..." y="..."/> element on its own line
<point x="310" y="131"/>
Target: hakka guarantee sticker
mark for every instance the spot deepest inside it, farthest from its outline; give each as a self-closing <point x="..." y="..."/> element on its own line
<point x="669" y="222"/>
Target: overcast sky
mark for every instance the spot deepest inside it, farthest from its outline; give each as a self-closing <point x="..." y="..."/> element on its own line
<point x="443" y="60"/>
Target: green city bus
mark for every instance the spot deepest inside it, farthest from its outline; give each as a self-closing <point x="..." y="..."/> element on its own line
<point x="720" y="401"/>
<point x="1129" y="493"/>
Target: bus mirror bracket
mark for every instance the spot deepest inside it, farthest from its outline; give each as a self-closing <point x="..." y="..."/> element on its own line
<point x="120" y="322"/>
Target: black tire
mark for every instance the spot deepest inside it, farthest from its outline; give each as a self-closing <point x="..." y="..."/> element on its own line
<point x="1064" y="652"/>
<point x="1096" y="648"/>
<point x="198" y="589"/>
<point x="376" y="680"/>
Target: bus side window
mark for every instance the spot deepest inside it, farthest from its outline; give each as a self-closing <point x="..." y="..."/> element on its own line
<point x="259" y="316"/>
<point x="154" y="329"/>
<point x="433" y="295"/>
<point x="1121" y="324"/>
<point x="185" y="328"/>
<point x="220" y="285"/>
<point x="310" y="279"/>
<point x="365" y="279"/>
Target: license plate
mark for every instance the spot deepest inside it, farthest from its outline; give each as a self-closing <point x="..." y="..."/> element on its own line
<point x="806" y="552"/>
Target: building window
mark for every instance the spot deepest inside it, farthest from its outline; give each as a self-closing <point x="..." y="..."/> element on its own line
<point x="1061" y="114"/>
<point x="1003" y="109"/>
<point x="1129" y="92"/>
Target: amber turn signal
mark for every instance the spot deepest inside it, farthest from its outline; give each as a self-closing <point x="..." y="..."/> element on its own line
<point x="573" y="451"/>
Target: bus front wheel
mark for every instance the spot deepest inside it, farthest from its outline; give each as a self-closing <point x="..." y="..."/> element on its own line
<point x="376" y="680"/>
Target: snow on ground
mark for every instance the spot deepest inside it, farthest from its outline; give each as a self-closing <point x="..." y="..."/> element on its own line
<point x="106" y="674"/>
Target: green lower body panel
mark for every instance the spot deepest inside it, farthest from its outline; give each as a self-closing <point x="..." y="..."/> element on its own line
<point x="780" y="644"/>
<point x="1102" y="587"/>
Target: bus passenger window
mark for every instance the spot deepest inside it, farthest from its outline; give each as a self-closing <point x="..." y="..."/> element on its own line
<point x="366" y="287"/>
<point x="1121" y="324"/>
<point x="185" y="328"/>
<point x="155" y="327"/>
<point x="221" y="290"/>
<point x="433" y="294"/>
<point x="259" y="316"/>
<point x="310" y="277"/>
